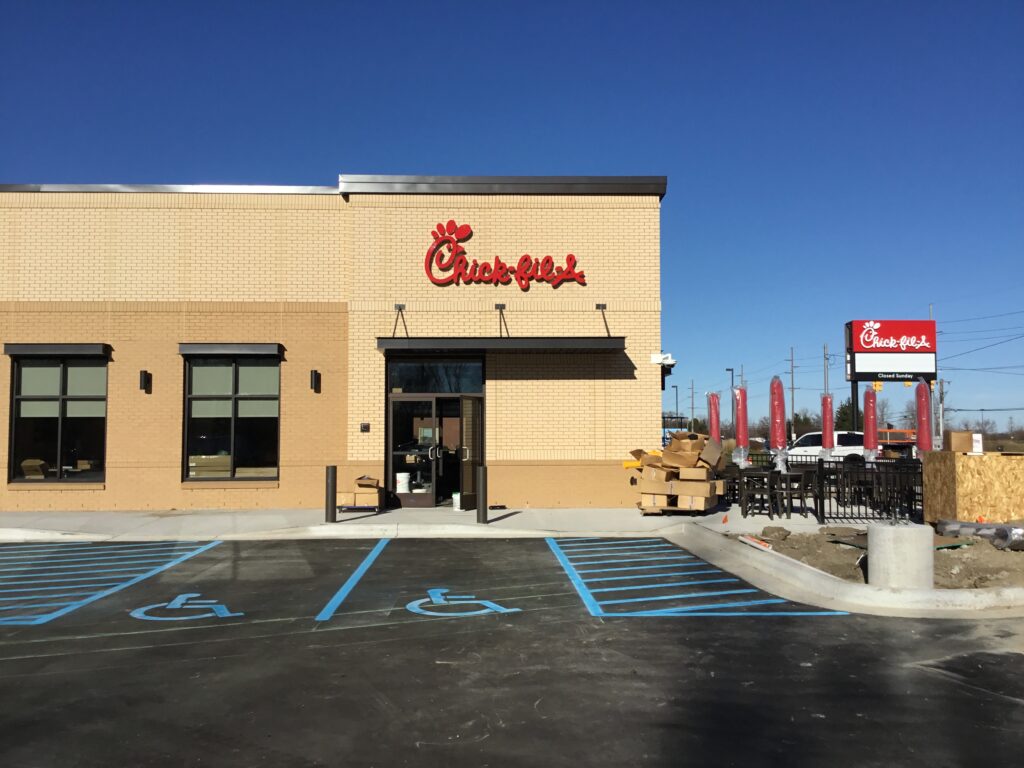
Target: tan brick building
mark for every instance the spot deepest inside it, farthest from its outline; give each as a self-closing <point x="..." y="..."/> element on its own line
<point x="217" y="347"/>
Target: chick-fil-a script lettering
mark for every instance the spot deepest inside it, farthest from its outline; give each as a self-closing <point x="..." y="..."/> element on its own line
<point x="446" y="263"/>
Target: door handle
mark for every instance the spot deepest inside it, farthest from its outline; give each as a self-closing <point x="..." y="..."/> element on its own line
<point x="465" y="453"/>
<point x="430" y="453"/>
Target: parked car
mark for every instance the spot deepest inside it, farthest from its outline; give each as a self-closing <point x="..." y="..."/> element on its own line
<point x="846" y="444"/>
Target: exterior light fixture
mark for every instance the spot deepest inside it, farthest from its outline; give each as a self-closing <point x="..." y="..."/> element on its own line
<point x="602" y="307"/>
<point x="146" y="382"/>
<point x="314" y="381"/>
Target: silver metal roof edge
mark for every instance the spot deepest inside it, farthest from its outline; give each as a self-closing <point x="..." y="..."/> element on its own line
<point x="209" y="189"/>
<point x="503" y="185"/>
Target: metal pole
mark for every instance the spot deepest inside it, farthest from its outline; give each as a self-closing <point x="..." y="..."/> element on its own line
<point x="826" y="369"/>
<point x="676" y="388"/>
<point x="942" y="409"/>
<point x="331" y="497"/>
<point x="732" y="400"/>
<point x="481" y="495"/>
<point x="693" y="422"/>
<point x="854" y="405"/>
<point x="792" y="395"/>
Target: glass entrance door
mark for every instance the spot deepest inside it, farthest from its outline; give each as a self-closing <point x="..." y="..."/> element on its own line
<point x="413" y="447"/>
<point x="471" y="434"/>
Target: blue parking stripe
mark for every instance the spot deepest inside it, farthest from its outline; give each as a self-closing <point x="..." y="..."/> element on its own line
<point x="649" y="582"/>
<point x="577" y="582"/>
<point x="585" y="538"/>
<point x="34" y="595"/>
<point x="612" y="543"/>
<point x="339" y="597"/>
<point x="662" y="586"/>
<point x="635" y="560"/>
<point x="658" y="575"/>
<point x="636" y="567"/>
<point x="57" y="568"/>
<point x="59" y="586"/>
<point x="682" y="596"/>
<point x="620" y="551"/>
<point x="88" y="546"/>
<point x="28" y="614"/>
<point x="78" y="557"/>
<point x="23" y="580"/>
<point x="38" y="605"/>
<point x="30" y="576"/>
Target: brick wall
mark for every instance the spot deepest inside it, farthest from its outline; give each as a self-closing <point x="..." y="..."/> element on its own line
<point x="321" y="274"/>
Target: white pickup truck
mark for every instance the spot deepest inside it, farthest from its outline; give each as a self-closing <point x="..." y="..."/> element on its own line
<point x="846" y="444"/>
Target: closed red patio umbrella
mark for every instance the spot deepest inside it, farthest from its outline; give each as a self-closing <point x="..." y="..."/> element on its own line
<point x="924" y="418"/>
<point x="714" y="417"/>
<point x="828" y="428"/>
<point x="742" y="449"/>
<point x="777" y="415"/>
<point x="870" y="424"/>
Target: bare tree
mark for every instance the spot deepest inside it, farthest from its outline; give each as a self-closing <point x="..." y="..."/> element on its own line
<point x="908" y="418"/>
<point x="883" y="409"/>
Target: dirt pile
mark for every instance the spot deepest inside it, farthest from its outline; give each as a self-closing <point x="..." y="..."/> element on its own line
<point x="977" y="564"/>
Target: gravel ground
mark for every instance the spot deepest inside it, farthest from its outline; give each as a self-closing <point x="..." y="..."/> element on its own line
<point x="978" y="564"/>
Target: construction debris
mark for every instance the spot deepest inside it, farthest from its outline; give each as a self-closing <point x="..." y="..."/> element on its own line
<point x="682" y="478"/>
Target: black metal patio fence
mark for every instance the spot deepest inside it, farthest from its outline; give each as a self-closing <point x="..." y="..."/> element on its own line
<point x="834" y="491"/>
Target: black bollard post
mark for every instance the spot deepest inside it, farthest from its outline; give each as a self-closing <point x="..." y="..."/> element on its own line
<point x="331" y="499"/>
<point x="481" y="495"/>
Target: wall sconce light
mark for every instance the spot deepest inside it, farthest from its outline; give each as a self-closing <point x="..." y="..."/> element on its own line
<point x="146" y="382"/>
<point x="314" y="381"/>
<point x="602" y="307"/>
<point x="399" y="307"/>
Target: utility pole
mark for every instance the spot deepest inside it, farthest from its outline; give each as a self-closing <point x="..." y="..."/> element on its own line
<point x="692" y="420"/>
<point x="942" y="407"/>
<point x="826" y="369"/>
<point x="792" y="395"/>
<point x="676" y="388"/>
<point x="732" y="399"/>
<point x="743" y="382"/>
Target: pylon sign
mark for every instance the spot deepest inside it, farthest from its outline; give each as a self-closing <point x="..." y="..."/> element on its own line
<point x="890" y="350"/>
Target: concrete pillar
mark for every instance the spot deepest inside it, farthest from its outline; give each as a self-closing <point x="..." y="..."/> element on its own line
<point x="901" y="556"/>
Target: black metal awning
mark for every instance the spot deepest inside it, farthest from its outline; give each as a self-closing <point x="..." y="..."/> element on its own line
<point x="57" y="350"/>
<point x="502" y="344"/>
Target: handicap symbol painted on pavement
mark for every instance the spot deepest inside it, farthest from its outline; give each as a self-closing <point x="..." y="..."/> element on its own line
<point x="207" y="609"/>
<point x="437" y="600"/>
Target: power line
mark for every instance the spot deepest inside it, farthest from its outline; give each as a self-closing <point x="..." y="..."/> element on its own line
<point x="984" y="330"/>
<point x="983" y="410"/>
<point x="981" y="317"/>
<point x="994" y="344"/>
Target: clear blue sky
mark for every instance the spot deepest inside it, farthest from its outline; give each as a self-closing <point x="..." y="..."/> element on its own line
<point x="826" y="160"/>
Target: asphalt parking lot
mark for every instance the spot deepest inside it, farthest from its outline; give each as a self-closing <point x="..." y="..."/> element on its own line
<point x="472" y="652"/>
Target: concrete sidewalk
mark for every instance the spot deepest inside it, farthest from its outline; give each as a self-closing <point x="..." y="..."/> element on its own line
<point x="309" y="523"/>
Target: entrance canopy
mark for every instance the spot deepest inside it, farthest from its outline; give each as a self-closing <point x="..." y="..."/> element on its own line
<point x="502" y="344"/>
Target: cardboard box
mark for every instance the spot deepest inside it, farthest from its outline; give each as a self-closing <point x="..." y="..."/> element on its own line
<point x="694" y="473"/>
<point x="696" y="503"/>
<point x="719" y="487"/>
<point x="711" y="454"/>
<point x="673" y="459"/>
<point x="657" y="500"/>
<point x="362" y="497"/>
<point x="687" y="442"/>
<point x="677" y="487"/>
<point x="365" y="481"/>
<point x="659" y="473"/>
<point x="959" y="442"/>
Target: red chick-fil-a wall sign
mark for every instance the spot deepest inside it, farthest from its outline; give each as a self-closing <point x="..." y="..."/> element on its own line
<point x="446" y="263"/>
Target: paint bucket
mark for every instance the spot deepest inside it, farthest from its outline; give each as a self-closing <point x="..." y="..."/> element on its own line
<point x="402" y="482"/>
<point x="456" y="501"/>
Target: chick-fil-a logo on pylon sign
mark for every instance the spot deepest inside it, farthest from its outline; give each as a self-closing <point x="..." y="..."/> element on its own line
<point x="893" y="335"/>
<point x="446" y="263"/>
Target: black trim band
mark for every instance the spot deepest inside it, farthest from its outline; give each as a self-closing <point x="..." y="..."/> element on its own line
<point x="263" y="350"/>
<point x="503" y="344"/>
<point x="58" y="350"/>
<point x="503" y="185"/>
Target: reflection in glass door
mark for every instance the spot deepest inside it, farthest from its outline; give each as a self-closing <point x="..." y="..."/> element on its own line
<point x="471" y="439"/>
<point x="414" y="443"/>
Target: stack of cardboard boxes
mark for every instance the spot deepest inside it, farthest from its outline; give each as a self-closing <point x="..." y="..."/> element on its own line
<point x="367" y="494"/>
<point x="682" y="477"/>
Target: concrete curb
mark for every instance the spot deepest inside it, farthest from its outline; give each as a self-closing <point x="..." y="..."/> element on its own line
<point x="798" y="581"/>
<point x="29" y="535"/>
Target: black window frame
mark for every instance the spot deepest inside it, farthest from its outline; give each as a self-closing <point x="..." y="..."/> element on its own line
<point x="60" y="355"/>
<point x="224" y="352"/>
